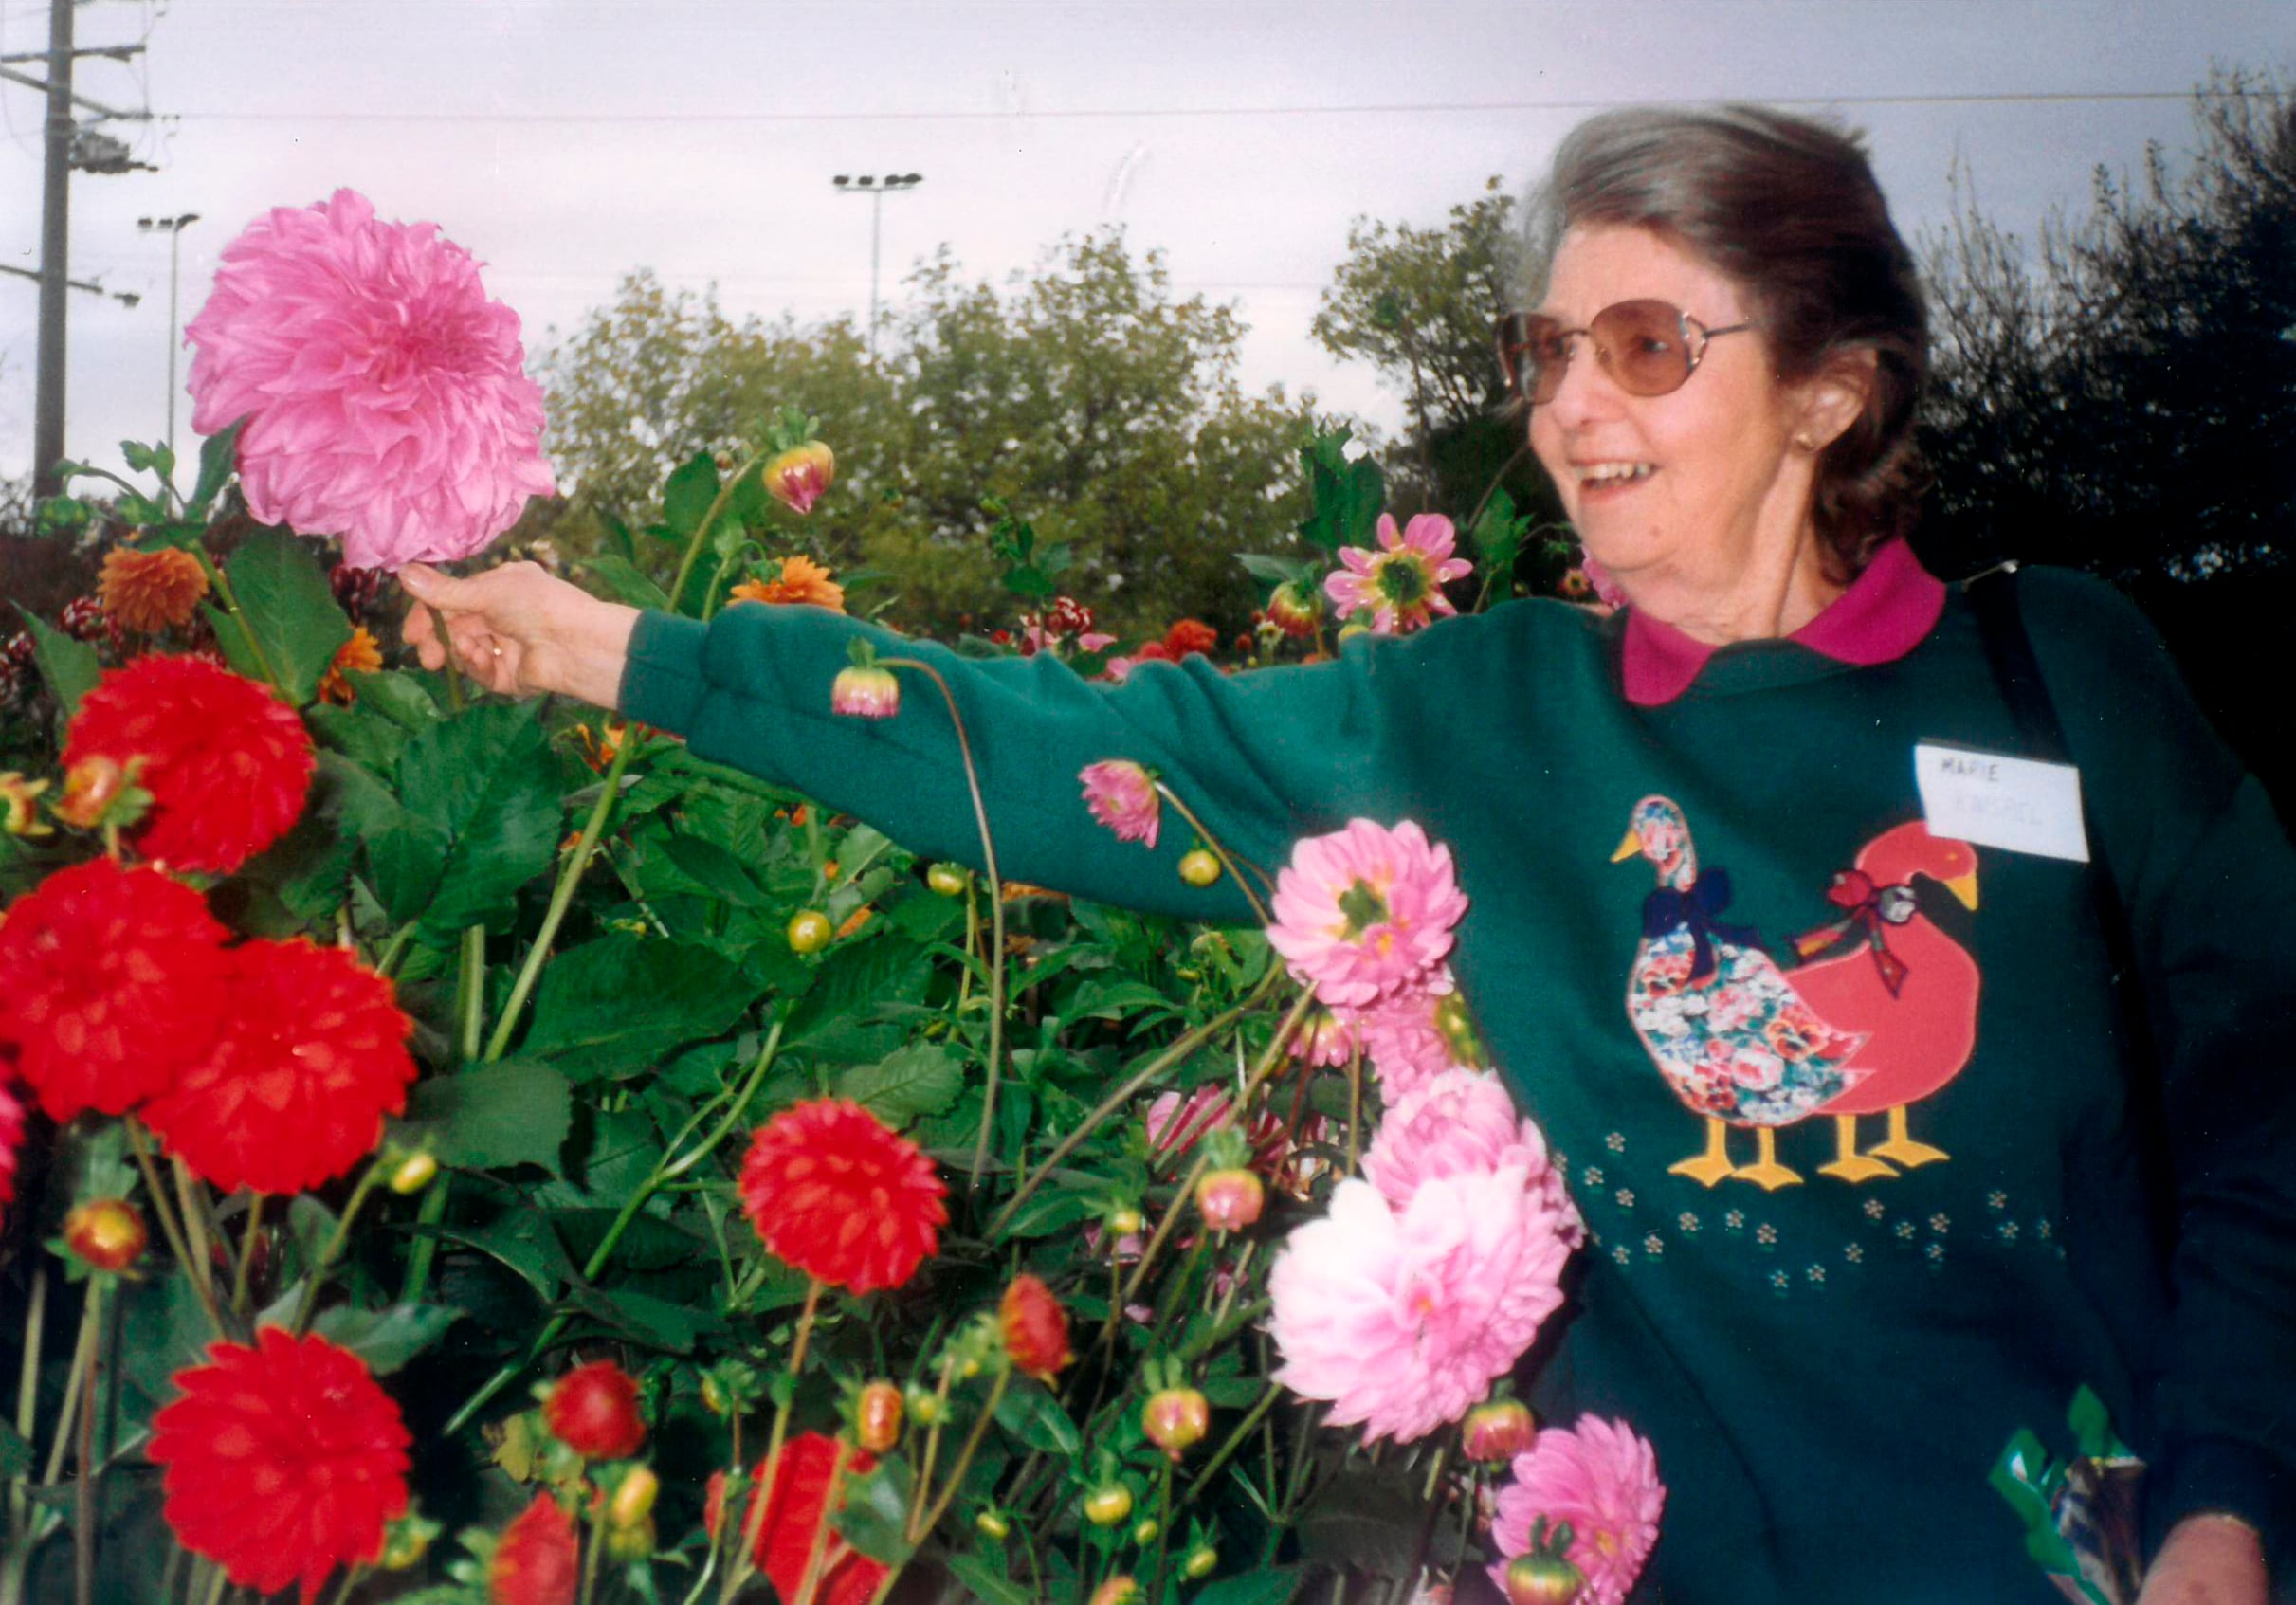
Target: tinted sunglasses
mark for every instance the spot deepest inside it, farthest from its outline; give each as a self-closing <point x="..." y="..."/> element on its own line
<point x="1646" y="347"/>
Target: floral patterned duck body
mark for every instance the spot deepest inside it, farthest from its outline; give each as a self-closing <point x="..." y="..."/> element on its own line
<point x="1731" y="1036"/>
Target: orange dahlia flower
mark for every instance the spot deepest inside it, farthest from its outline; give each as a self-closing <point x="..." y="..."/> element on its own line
<point x="311" y="1056"/>
<point x="226" y="762"/>
<point x="793" y="1512"/>
<point x="801" y="580"/>
<point x="838" y="1194"/>
<point x="114" y="982"/>
<point x="362" y="654"/>
<point x="151" y="590"/>
<point x="1036" y="1328"/>
<point x="284" y="1461"/>
<point x="537" y="1560"/>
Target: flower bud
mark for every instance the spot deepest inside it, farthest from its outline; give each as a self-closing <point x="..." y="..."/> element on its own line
<point x="1200" y="1561"/>
<point x="406" y="1542"/>
<point x="1543" y="1579"/>
<point x="1175" y="1419"/>
<point x="634" y="1542"/>
<point x="810" y="931"/>
<point x="91" y="787"/>
<point x="106" y="1233"/>
<point x="877" y="1418"/>
<point x="1199" y="868"/>
<point x="413" y="1174"/>
<point x="1145" y="1531"/>
<point x="1035" y="1327"/>
<point x="714" y="1395"/>
<point x="1497" y="1431"/>
<point x="797" y="477"/>
<point x="1230" y="1199"/>
<point x="1105" y="1506"/>
<point x="1118" y="1590"/>
<point x="925" y="1405"/>
<point x="18" y="815"/>
<point x="633" y="1499"/>
<point x="948" y="879"/>
<point x="1295" y="610"/>
<point x="1124" y="1221"/>
<point x="992" y="1523"/>
<point x="869" y="692"/>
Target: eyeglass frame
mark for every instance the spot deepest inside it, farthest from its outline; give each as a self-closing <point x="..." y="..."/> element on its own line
<point x="1696" y="337"/>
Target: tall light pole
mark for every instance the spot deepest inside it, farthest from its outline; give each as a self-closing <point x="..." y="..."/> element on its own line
<point x="173" y="227"/>
<point x="875" y="187"/>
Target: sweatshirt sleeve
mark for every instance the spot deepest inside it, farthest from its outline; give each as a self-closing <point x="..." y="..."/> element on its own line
<point x="1260" y="757"/>
<point x="2208" y="877"/>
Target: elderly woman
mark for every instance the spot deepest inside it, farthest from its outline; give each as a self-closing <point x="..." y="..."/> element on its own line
<point x="1867" y="1192"/>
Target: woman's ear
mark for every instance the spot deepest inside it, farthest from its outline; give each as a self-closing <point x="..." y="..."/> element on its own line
<point x="1832" y="401"/>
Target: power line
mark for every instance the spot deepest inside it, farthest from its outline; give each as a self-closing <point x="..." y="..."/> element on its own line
<point x="1476" y="108"/>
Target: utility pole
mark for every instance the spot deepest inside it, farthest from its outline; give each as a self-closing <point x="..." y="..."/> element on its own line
<point x="100" y="154"/>
<point x="870" y="185"/>
<point x="173" y="227"/>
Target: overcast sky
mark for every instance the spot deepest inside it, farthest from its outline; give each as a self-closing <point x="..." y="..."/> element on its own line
<point x="567" y="141"/>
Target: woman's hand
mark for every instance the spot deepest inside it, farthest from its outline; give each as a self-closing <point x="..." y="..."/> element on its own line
<point x="518" y="630"/>
<point x="2206" y="1560"/>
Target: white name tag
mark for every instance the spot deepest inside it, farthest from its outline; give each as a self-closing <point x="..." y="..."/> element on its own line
<point x="1992" y="801"/>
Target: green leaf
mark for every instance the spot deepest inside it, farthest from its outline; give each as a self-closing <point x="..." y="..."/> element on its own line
<point x="686" y="496"/>
<point x="70" y="667"/>
<point x="373" y="741"/>
<point x="523" y="1241"/>
<point x="1272" y="1586"/>
<point x="716" y="868"/>
<point x="399" y="697"/>
<point x="656" y="1322"/>
<point x="627" y="581"/>
<point x="991" y="1587"/>
<point x="484" y="781"/>
<point x="289" y="608"/>
<point x="1030" y="1414"/>
<point x="1347" y="495"/>
<point x="922" y="1079"/>
<point x="1498" y="534"/>
<point x="490" y="1116"/>
<point x="617" y="1005"/>
<point x="15" y="1454"/>
<point x="385" y="1339"/>
<point x="1278" y="570"/>
<point x="218" y="456"/>
<point x="849" y="982"/>
<point x="876" y="1510"/>
<point x="1054" y="1208"/>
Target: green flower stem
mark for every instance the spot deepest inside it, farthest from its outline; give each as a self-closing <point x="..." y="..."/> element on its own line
<point x="351" y="1578"/>
<point x="1405" y="1585"/>
<point x="196" y="1271"/>
<point x="996" y="917"/>
<point x="561" y="898"/>
<point x="470" y="990"/>
<point x="336" y="1239"/>
<point x="666" y="1169"/>
<point x="924" y="1466"/>
<point x="77" y="1391"/>
<point x="693" y="547"/>
<point x="27" y="1421"/>
<point x="590" y="1556"/>
<point x="1470" y="1505"/>
<point x="1124" y="1095"/>
<point x="964" y="982"/>
<point x="1164" y="1530"/>
<point x="246" y="1255"/>
<point x="1235" y="1441"/>
<point x="1219" y="850"/>
<point x="809" y="1580"/>
<point x="221" y="584"/>
<point x="420" y="1254"/>
<point x="218" y="1579"/>
<point x="393" y="950"/>
<point x="1355" y="1112"/>
<point x="964" y="1455"/>
<point x="194" y="1207"/>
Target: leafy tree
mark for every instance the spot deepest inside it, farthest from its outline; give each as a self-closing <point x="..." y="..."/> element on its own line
<point x="1085" y="397"/>
<point x="1418" y="305"/>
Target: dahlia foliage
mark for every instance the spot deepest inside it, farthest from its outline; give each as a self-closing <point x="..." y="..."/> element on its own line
<point x="737" y="1199"/>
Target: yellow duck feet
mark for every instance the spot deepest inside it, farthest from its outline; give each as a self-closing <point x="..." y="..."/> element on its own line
<point x="1901" y="1147"/>
<point x="1849" y="1165"/>
<point x="1712" y="1165"/>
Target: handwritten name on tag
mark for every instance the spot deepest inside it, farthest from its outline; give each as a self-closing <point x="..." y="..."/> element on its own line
<point x="1993" y="801"/>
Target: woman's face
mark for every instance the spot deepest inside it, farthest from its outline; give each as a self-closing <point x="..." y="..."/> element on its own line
<point x="1683" y="494"/>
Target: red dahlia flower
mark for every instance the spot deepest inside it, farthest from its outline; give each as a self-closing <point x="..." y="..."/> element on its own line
<point x="113" y="981"/>
<point x="12" y="1139"/>
<point x="785" y="1541"/>
<point x="841" y="1195"/>
<point x="1034" y="1327"/>
<point x="594" y="1410"/>
<point x="537" y="1560"/>
<point x="312" y="1055"/>
<point x="284" y="1461"/>
<point x="226" y="762"/>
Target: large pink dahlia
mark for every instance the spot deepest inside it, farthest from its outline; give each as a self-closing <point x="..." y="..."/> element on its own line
<point x="386" y="396"/>
<point x="1403" y="1319"/>
<point x="1366" y="911"/>
<point x="1600" y="1478"/>
<point x="1400" y="584"/>
<point x="1462" y="1123"/>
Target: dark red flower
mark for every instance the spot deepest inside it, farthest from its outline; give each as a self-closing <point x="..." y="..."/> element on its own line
<point x="537" y="1562"/>
<point x="12" y="1139"/>
<point x="311" y="1056"/>
<point x="594" y="1410"/>
<point x="841" y="1195"/>
<point x="110" y="981"/>
<point x="785" y="1541"/>
<point x="226" y="762"/>
<point x="1190" y="635"/>
<point x="284" y="1461"/>
<point x="1035" y="1327"/>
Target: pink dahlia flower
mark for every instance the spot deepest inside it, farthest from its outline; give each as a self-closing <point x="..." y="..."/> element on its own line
<point x="1325" y="1038"/>
<point x="1400" y="585"/>
<point x="1463" y="1122"/>
<point x="386" y="396"/>
<point x="1412" y="1035"/>
<point x="1403" y="1319"/>
<point x="1366" y="911"/>
<point x="1603" y="1480"/>
<point x="1123" y="797"/>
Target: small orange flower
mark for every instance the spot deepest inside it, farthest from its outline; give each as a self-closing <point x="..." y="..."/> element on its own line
<point x="598" y="751"/>
<point x="362" y="654"/>
<point x="151" y="590"/>
<point x="801" y="580"/>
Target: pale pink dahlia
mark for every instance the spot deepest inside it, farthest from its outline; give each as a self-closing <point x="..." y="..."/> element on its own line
<point x="1403" y="1319"/>
<point x="386" y="396"/>
<point x="1602" y="1479"/>
<point x="1365" y="911"/>
<point x="1123" y="797"/>
<point x="1416" y="1033"/>
<point x="1400" y="585"/>
<point x="1462" y="1123"/>
<point x="1325" y="1038"/>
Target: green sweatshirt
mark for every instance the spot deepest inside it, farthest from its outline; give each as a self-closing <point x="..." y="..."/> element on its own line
<point x="1979" y="1196"/>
